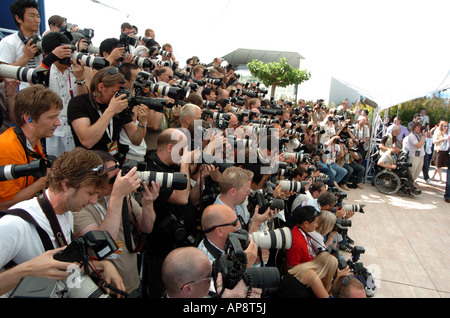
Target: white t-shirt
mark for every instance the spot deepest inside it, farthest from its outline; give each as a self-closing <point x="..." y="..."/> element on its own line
<point x="19" y="240"/>
<point x="11" y="49"/>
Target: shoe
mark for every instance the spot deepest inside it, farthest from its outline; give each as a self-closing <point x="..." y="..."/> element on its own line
<point x="447" y="200"/>
<point x="416" y="192"/>
<point x="428" y="181"/>
<point x="350" y="240"/>
<point x="346" y="248"/>
<point x="360" y="186"/>
<point x="344" y="186"/>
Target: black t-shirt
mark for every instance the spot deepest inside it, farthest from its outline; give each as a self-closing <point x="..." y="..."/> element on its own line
<point x="171" y="219"/>
<point x="82" y="106"/>
<point x="291" y="287"/>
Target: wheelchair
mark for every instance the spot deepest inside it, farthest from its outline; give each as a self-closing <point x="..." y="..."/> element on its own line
<point x="396" y="181"/>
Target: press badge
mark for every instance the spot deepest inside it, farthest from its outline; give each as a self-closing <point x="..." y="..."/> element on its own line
<point x="113" y="148"/>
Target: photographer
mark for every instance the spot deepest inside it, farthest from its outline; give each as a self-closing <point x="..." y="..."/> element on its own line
<point x="172" y="205"/>
<point x="312" y="279"/>
<point x="19" y="48"/>
<point x="36" y="110"/>
<point x="305" y="219"/>
<point x="416" y="151"/>
<point x="235" y="187"/>
<point x="334" y="152"/>
<point x="389" y="139"/>
<point x="347" y="287"/>
<point x="107" y="215"/>
<point x="361" y="132"/>
<point x="186" y="273"/>
<point x="43" y="265"/>
<point x="75" y="180"/>
<point x="126" y="147"/>
<point x="352" y="166"/>
<point x="314" y="191"/>
<point x="112" y="50"/>
<point x="97" y="118"/>
<point x="218" y="220"/>
<point x="68" y="79"/>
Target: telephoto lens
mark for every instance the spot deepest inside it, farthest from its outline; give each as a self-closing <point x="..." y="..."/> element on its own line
<point x="175" y="180"/>
<point x="23" y="74"/>
<point x="294" y="186"/>
<point x="278" y="238"/>
<point x="36" y="168"/>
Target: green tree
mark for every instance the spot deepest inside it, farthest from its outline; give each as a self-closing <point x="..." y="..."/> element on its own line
<point x="275" y="74"/>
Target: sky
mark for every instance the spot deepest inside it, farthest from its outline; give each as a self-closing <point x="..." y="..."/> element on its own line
<point x="389" y="48"/>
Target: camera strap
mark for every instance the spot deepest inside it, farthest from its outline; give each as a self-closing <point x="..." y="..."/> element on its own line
<point x="51" y="216"/>
<point x="127" y="231"/>
<point x="48" y="245"/>
<point x="212" y="249"/>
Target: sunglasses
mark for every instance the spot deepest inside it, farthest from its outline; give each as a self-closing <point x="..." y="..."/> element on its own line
<point x="212" y="228"/>
<point x="111" y="71"/>
<point x="101" y="168"/>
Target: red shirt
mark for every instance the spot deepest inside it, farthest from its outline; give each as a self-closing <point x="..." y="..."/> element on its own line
<point x="299" y="252"/>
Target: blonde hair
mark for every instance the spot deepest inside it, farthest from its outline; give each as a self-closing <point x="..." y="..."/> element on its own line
<point x="234" y="177"/>
<point x="327" y="221"/>
<point x="324" y="265"/>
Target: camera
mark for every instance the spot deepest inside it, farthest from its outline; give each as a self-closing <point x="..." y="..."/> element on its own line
<point x="156" y="104"/>
<point x="92" y="61"/>
<point x="36" y="168"/>
<point x="263" y="201"/>
<point x="293" y="186"/>
<point x="35" y="39"/>
<point x="278" y="238"/>
<point x="297" y="157"/>
<point x="99" y="243"/>
<point x="143" y="86"/>
<point x="357" y="268"/>
<point x="24" y="74"/>
<point x="221" y="120"/>
<point x="354" y="207"/>
<point x="175" y="180"/>
<point x="233" y="266"/>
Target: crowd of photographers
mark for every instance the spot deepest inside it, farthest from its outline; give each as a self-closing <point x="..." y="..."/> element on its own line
<point x="196" y="183"/>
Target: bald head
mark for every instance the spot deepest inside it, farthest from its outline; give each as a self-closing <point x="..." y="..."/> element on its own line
<point x="181" y="266"/>
<point x="216" y="214"/>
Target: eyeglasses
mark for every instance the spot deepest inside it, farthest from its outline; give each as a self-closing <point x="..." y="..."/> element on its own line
<point x="198" y="281"/>
<point x="169" y="76"/>
<point x="212" y="228"/>
<point x="111" y="71"/>
<point x="101" y="168"/>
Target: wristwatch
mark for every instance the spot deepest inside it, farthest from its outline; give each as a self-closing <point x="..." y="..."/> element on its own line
<point x="142" y="125"/>
<point x="80" y="82"/>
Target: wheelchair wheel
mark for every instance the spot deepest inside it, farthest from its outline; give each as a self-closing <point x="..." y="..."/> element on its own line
<point x="387" y="182"/>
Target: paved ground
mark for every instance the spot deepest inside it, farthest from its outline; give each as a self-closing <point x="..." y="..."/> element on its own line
<point x="406" y="240"/>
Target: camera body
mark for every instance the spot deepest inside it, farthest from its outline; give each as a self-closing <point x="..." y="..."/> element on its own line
<point x="233" y="266"/>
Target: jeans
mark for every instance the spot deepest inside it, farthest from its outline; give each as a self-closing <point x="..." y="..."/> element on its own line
<point x="426" y="166"/>
<point x="324" y="169"/>
<point x="357" y="170"/>
<point x="339" y="172"/>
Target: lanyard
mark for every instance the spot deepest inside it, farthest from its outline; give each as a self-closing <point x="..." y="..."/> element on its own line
<point x="110" y="128"/>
